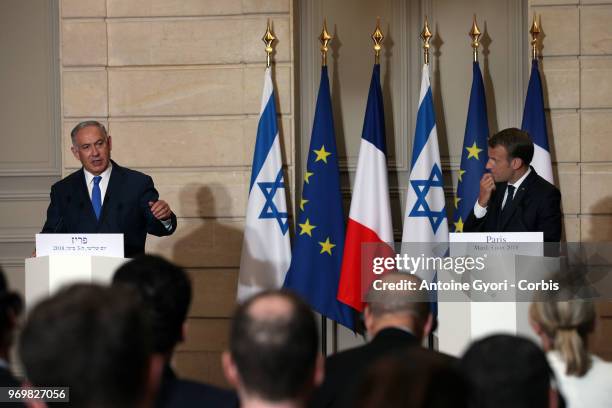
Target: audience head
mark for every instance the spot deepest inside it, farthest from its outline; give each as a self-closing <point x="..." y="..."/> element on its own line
<point x="510" y="151"/>
<point x="418" y="378"/>
<point x="273" y="355"/>
<point x="506" y="371"/>
<point x="94" y="340"/>
<point x="409" y="308"/>
<point x="11" y="307"/>
<point x="165" y="290"/>
<point x="564" y="325"/>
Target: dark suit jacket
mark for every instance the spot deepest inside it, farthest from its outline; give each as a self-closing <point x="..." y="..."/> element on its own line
<point x="125" y="208"/>
<point x="177" y="393"/>
<point x="536" y="207"/>
<point x="344" y="369"/>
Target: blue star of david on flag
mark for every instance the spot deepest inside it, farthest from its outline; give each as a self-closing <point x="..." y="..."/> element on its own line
<point x="421" y="207"/>
<point x="270" y="210"/>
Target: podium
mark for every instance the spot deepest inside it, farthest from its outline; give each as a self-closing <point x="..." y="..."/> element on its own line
<point x="461" y="322"/>
<point x="46" y="274"/>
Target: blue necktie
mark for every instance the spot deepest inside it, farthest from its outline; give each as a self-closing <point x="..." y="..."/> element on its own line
<point x="96" y="196"/>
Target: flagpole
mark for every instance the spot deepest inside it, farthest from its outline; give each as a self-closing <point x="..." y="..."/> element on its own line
<point x="268" y="39"/>
<point x="425" y="36"/>
<point x="377" y="37"/>
<point x="535" y="32"/>
<point x="475" y="34"/>
<point x="325" y="39"/>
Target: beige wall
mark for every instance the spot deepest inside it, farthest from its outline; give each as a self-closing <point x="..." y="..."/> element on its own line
<point x="30" y="132"/>
<point x="179" y="84"/>
<point x="577" y="51"/>
<point x="578" y="82"/>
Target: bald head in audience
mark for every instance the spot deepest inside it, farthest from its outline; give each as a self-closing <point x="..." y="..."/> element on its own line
<point x="273" y="357"/>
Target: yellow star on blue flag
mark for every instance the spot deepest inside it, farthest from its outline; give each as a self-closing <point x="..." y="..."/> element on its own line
<point x="473" y="151"/>
<point x="321" y="154"/>
<point x="326" y="246"/>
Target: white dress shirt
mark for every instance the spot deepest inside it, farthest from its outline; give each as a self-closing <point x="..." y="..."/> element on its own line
<point x="480" y="211"/>
<point x="104" y="185"/>
<point x="103" y="181"/>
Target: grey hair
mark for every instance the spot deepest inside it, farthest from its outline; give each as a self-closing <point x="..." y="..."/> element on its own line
<point x="414" y="302"/>
<point x="85" y="124"/>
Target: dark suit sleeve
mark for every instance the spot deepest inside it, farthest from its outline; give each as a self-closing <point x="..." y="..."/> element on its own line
<point x="154" y="226"/>
<point x="473" y="224"/>
<point x="54" y="222"/>
<point x="549" y="217"/>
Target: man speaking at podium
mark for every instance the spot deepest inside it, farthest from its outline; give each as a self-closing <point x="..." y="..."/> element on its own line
<point x="512" y="197"/>
<point x="103" y="197"/>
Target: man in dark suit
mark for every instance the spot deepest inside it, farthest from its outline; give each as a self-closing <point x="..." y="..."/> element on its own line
<point x="513" y="198"/>
<point x="397" y="320"/>
<point x="103" y="197"/>
<point x="165" y="291"/>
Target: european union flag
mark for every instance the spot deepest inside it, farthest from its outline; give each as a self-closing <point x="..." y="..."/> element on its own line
<point x="474" y="155"/>
<point x="317" y="254"/>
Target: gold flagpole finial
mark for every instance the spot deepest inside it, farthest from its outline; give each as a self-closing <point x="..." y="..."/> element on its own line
<point x="268" y="39"/>
<point x="535" y="32"/>
<point x="475" y="34"/>
<point x="425" y="36"/>
<point x="377" y="37"/>
<point x="325" y="39"/>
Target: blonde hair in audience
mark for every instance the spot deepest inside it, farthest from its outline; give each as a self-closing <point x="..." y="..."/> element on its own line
<point x="567" y="324"/>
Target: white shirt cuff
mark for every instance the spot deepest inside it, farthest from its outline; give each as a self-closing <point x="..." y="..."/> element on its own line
<point x="479" y="211"/>
<point x="167" y="224"/>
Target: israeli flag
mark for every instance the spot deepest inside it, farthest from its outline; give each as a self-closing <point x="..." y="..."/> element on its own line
<point x="425" y="218"/>
<point x="266" y="248"/>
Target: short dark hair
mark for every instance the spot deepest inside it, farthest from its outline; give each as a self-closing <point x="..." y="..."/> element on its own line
<point x="92" y="339"/>
<point x="165" y="290"/>
<point x="506" y="371"/>
<point x="85" y="124"/>
<point x="275" y="356"/>
<point x="517" y="142"/>
<point x="11" y="306"/>
<point x="411" y="379"/>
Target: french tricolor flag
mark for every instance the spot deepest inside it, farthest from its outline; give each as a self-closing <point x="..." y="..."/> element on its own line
<point x="534" y="123"/>
<point x="370" y="213"/>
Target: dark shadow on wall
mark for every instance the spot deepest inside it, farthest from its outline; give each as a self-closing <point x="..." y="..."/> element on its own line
<point x="208" y="243"/>
<point x="437" y="42"/>
<point x="599" y="231"/>
<point x="388" y="96"/>
<point x="336" y="102"/>
<point x="485" y="41"/>
<point x="211" y="242"/>
<point x="390" y="136"/>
